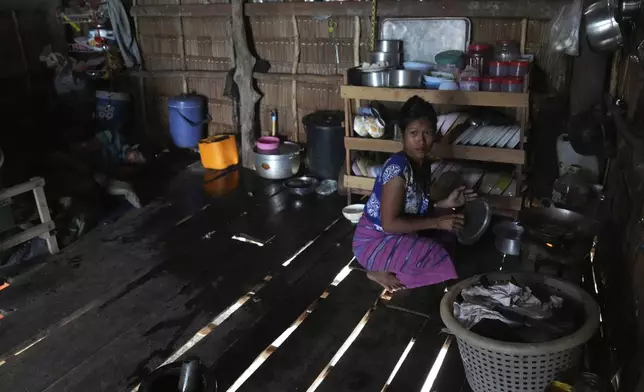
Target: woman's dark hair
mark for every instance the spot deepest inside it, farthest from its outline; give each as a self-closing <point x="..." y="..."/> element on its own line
<point x="414" y="109"/>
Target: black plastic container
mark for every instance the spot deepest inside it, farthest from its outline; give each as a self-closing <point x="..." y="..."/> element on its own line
<point x="325" y="143"/>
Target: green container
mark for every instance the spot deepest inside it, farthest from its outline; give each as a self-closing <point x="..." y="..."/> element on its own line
<point x="450" y="59"/>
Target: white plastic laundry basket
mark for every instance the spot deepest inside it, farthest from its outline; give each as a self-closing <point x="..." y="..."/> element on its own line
<point x="492" y="365"/>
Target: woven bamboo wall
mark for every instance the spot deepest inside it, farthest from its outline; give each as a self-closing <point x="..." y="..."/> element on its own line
<point x="206" y="46"/>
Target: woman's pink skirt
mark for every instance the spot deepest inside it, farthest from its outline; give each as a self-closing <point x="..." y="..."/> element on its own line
<point x="416" y="260"/>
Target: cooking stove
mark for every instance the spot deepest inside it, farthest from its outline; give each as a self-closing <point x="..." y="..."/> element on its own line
<point x="561" y="258"/>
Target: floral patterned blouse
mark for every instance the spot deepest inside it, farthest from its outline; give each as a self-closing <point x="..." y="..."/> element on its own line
<point x="416" y="198"/>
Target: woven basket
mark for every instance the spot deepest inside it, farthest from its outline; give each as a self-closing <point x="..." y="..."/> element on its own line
<point x="492" y="365"/>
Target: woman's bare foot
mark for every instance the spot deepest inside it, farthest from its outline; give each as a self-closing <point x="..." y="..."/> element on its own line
<point x="387" y="280"/>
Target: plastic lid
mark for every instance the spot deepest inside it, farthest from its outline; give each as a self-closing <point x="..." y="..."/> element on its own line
<point x="520" y="63"/>
<point x="324" y="118"/>
<point x="512" y="80"/>
<point x="478" y="47"/>
<point x="500" y="63"/>
<point x="449" y="57"/>
<point x="186" y="101"/>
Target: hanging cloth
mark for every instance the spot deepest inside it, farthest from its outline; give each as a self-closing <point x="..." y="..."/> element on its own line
<point x="123" y="33"/>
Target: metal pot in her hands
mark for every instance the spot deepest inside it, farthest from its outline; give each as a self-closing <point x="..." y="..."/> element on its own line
<point x="508" y="237"/>
<point x="603" y="31"/>
<point x="278" y="164"/>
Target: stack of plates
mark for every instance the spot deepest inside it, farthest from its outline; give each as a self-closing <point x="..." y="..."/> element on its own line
<point x="503" y="136"/>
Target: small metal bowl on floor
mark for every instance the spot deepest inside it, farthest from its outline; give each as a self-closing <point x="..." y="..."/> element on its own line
<point x="301" y="186"/>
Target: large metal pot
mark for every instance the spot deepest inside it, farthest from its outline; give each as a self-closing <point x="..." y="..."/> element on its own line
<point x="391" y="58"/>
<point x="375" y="79"/>
<point x="631" y="8"/>
<point x="284" y="162"/>
<point x="405" y="78"/>
<point x="602" y="29"/>
<point x="388" y="45"/>
<point x="508" y="237"/>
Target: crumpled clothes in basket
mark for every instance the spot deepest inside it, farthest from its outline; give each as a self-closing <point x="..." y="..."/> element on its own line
<point x="508" y="303"/>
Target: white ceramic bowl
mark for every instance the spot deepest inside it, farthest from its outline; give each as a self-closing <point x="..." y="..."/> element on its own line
<point x="421" y="66"/>
<point x="353" y="212"/>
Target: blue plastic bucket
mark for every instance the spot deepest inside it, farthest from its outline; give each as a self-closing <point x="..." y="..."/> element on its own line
<point x="112" y="108"/>
<point x="187" y="116"/>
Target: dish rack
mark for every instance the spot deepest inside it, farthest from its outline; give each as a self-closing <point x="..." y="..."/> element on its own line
<point x="450" y="146"/>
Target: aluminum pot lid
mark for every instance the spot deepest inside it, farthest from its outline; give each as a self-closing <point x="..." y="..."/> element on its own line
<point x="324" y="118"/>
<point x="285" y="148"/>
<point x="477" y="219"/>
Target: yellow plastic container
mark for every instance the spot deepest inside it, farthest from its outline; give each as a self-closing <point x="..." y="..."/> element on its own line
<point x="218" y="152"/>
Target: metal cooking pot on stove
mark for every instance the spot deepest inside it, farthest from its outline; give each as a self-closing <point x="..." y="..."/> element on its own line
<point x="553" y="224"/>
<point x="602" y="28"/>
<point x="278" y="164"/>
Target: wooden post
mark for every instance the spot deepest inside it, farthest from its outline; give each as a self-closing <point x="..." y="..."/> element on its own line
<point x="248" y="97"/>
<point x="296" y="62"/>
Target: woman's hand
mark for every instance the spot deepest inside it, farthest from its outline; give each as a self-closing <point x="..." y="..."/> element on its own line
<point x="452" y="222"/>
<point x="457" y="198"/>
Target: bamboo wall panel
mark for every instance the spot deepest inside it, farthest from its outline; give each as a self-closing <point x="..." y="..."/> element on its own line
<point x="208" y="48"/>
<point x="212" y="88"/>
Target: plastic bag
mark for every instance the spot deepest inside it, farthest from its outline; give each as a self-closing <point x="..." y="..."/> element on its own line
<point x="564" y="32"/>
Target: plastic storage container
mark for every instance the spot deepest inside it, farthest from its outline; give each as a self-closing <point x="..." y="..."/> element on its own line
<point x="219" y="152"/>
<point x="187" y="116"/>
<point x="506" y="50"/>
<point x="499" y="68"/>
<point x="512" y="85"/>
<point x="470" y="83"/>
<point x="450" y="61"/>
<point x="325" y="143"/>
<point x="490" y="83"/>
<point x="518" y="68"/>
<point x="112" y="108"/>
<point x="479" y="57"/>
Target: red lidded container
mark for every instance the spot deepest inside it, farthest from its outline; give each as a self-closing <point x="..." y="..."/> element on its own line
<point x="518" y="68"/>
<point x="479" y="57"/>
<point x="490" y="83"/>
<point x="512" y="85"/>
<point x="499" y="68"/>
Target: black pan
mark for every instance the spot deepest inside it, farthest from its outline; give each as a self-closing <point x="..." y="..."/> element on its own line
<point x="555" y="224"/>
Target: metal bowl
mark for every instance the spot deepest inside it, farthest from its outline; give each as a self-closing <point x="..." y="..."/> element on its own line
<point x="388" y="45"/>
<point x="405" y="78"/>
<point x="392" y="59"/>
<point x="301" y="185"/>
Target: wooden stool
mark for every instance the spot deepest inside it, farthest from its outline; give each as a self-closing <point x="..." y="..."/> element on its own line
<point x="43" y="230"/>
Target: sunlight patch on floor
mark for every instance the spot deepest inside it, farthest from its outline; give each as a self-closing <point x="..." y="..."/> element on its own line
<point x="436" y="367"/>
<point x="401" y="360"/>
<point x="345" y="346"/>
<point x="220" y="318"/>
<point x="302" y="249"/>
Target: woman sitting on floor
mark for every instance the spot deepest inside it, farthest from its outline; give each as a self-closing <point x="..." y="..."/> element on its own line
<point x="387" y="241"/>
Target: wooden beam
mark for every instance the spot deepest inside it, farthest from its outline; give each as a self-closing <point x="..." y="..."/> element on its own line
<point x="275" y="77"/>
<point x="248" y="97"/>
<point x="197" y="10"/>
<point x="541" y="9"/>
<point x="22" y="188"/>
<point x="27" y="235"/>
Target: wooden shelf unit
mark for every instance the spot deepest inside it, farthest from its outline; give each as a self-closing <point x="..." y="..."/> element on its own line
<point x="520" y="101"/>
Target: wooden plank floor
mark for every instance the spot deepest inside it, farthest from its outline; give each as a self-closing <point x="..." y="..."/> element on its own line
<point x="168" y="281"/>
